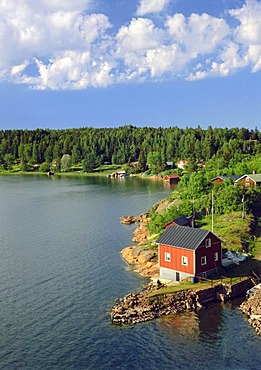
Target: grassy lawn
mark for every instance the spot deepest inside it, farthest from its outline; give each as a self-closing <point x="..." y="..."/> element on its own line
<point x="204" y="284"/>
<point x="184" y="285"/>
<point x="232" y="229"/>
<point x="75" y="170"/>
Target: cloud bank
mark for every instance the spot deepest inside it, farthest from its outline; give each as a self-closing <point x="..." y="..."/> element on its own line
<point x="63" y="44"/>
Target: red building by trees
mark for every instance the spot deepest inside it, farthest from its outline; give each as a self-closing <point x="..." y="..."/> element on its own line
<point x="188" y="252"/>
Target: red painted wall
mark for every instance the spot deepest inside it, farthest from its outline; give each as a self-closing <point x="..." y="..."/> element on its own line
<point x="177" y="253"/>
<point x="209" y="253"/>
<point x="176" y="259"/>
<point x="217" y="181"/>
<point x="248" y="183"/>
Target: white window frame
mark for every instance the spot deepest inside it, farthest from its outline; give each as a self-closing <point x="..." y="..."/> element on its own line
<point x="208" y="242"/>
<point x="216" y="257"/>
<point x="167" y="257"/>
<point x="184" y="260"/>
<point x="203" y="260"/>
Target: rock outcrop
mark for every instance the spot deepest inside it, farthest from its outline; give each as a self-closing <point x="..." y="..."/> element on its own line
<point x="128" y="220"/>
<point x="143" y="261"/>
<point x="149" y="304"/>
<point x="252" y="308"/>
<point x="140" y="307"/>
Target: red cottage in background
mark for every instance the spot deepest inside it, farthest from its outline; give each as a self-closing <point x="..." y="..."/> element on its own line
<point x="180" y="221"/>
<point x="249" y="181"/>
<point x="188" y="252"/>
<point x="172" y="179"/>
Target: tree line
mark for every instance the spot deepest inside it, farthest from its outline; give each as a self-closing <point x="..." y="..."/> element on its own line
<point x="94" y="146"/>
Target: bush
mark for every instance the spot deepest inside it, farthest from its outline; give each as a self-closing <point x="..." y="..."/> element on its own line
<point x="45" y="167"/>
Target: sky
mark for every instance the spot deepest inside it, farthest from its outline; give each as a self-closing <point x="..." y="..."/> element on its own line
<point x="110" y="63"/>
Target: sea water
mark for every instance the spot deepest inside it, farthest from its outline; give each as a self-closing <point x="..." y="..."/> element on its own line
<point x="61" y="271"/>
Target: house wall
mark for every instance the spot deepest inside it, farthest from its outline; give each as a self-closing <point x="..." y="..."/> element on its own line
<point x="169" y="269"/>
<point x="171" y="223"/>
<point x="209" y="252"/>
<point x="248" y="183"/>
<point x="170" y="274"/>
<point x="217" y="181"/>
<point x="176" y="259"/>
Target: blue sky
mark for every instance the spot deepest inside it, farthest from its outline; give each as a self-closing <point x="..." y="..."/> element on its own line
<point x="109" y="63"/>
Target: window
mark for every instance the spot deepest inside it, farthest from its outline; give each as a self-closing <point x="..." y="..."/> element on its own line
<point x="184" y="260"/>
<point x="167" y="257"/>
<point x="203" y="260"/>
<point x="216" y="256"/>
<point x="208" y="242"/>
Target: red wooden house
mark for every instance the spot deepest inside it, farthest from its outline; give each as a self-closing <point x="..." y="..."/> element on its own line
<point x="188" y="252"/>
<point x="172" y="179"/>
<point x="180" y="221"/>
<point x="218" y="179"/>
<point x="249" y="181"/>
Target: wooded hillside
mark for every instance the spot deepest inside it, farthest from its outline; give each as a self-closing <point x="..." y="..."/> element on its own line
<point x="129" y="144"/>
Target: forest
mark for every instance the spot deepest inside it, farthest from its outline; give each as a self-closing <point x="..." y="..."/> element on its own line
<point x="209" y="153"/>
<point x="229" y="150"/>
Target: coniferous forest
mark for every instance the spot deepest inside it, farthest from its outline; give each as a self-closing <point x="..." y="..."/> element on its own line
<point x="234" y="150"/>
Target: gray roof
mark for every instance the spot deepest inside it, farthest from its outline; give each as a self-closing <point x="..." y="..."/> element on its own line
<point x="182" y="221"/>
<point x="183" y="237"/>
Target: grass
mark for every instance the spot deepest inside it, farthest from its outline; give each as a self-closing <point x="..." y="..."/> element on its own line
<point x="75" y="171"/>
<point x="232" y="229"/>
<point x="184" y="285"/>
<point x="203" y="284"/>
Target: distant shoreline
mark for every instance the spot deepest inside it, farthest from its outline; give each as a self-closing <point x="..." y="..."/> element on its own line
<point x="76" y="174"/>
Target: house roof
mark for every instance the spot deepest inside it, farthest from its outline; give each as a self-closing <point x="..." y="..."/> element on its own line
<point x="183" y="237"/>
<point x="173" y="176"/>
<point x="255" y="177"/>
<point x="182" y="221"/>
<point x="225" y="177"/>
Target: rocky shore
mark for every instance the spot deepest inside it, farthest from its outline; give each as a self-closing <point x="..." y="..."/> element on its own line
<point x="150" y="303"/>
<point x="252" y="308"/>
<point x="141" y="307"/>
<point x="143" y="259"/>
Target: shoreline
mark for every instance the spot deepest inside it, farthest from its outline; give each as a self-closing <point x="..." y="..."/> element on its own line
<point x="78" y="174"/>
<point x="148" y="304"/>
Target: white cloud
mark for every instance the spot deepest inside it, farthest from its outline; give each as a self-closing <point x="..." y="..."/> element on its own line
<point x="139" y="36"/>
<point x="248" y="33"/>
<point x="15" y="70"/>
<point x="229" y="61"/>
<point x="151" y="6"/>
<point x="199" y="34"/>
<point x="60" y="44"/>
<point x="166" y="60"/>
<point x="72" y="70"/>
<point x="249" y="16"/>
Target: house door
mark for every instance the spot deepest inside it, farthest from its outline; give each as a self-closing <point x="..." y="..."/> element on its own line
<point x="177" y="276"/>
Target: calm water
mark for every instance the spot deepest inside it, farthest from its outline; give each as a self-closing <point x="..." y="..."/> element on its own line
<point x="61" y="270"/>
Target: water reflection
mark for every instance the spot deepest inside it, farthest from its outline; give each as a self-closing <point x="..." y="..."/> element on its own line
<point x="186" y="324"/>
<point x="205" y="321"/>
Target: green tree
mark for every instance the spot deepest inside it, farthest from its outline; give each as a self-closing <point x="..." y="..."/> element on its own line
<point x="154" y="162"/>
<point x="44" y="167"/>
<point x="66" y="162"/>
<point x="8" y="161"/>
<point x="89" y="162"/>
